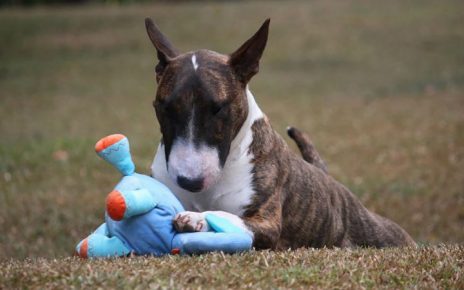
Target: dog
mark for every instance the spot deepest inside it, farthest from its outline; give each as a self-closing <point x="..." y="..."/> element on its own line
<point x="219" y="153"/>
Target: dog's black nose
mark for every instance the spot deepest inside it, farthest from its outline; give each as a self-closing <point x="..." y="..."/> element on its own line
<point x="193" y="185"/>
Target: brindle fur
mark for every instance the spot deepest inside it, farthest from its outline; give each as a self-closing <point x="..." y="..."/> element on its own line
<point x="214" y="86"/>
<point x="305" y="206"/>
<point x="296" y="203"/>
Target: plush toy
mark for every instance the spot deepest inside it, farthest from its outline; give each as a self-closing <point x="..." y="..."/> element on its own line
<point x="140" y="212"/>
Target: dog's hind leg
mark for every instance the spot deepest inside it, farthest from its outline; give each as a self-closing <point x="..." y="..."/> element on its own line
<point x="307" y="149"/>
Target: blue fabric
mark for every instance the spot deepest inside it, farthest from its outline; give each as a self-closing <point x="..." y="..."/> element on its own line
<point x="222" y="225"/>
<point x="102" y="230"/>
<point x="138" y="201"/>
<point x="147" y="234"/>
<point x="118" y="155"/>
<point x="202" y="242"/>
<point x="101" y="246"/>
<point x="147" y="226"/>
<point x="160" y="192"/>
<point x="152" y="232"/>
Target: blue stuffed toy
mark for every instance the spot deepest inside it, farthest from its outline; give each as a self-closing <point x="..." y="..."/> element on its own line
<point x="140" y="212"/>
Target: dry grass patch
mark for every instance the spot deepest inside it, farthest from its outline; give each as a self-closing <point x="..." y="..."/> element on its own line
<point x="427" y="267"/>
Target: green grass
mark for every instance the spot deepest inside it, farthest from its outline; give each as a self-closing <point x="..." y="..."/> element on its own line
<point x="379" y="85"/>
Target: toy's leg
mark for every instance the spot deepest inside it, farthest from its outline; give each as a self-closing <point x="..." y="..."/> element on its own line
<point x="102" y="230"/>
<point x="115" y="149"/>
<point x="201" y="242"/>
<point x="100" y="245"/>
<point x="125" y="204"/>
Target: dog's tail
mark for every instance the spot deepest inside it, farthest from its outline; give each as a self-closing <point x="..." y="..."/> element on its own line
<point x="307" y="149"/>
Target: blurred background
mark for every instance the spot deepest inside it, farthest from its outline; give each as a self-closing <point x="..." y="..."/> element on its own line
<point x="379" y="86"/>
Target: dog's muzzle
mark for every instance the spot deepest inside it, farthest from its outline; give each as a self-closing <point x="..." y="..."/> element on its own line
<point x="193" y="185"/>
<point x="193" y="168"/>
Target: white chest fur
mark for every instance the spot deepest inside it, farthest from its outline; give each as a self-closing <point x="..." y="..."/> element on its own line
<point x="234" y="189"/>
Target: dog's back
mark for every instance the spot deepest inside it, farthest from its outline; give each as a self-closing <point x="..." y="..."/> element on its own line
<point x="305" y="206"/>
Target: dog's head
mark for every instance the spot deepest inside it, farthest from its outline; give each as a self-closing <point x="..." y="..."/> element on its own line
<point x="201" y="104"/>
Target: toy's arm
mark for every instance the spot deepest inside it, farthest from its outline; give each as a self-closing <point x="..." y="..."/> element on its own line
<point x="122" y="204"/>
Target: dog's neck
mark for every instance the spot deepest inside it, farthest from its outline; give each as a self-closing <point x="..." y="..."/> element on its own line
<point x="234" y="189"/>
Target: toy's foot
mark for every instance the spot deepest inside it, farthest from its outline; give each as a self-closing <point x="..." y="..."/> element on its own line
<point x="83" y="248"/>
<point x="108" y="141"/>
<point x="189" y="221"/>
<point x="100" y="246"/>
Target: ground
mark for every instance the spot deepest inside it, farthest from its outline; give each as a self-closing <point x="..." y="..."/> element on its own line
<point x="431" y="267"/>
<point x="378" y="85"/>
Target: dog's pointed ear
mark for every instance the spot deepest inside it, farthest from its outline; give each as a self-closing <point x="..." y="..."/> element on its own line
<point x="165" y="50"/>
<point x="245" y="60"/>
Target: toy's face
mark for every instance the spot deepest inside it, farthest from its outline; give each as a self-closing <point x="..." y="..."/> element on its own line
<point x="200" y="106"/>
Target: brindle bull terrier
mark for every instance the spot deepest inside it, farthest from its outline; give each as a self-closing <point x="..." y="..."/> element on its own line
<point x="219" y="153"/>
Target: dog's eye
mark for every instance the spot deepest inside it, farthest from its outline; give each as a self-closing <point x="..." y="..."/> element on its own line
<point x="217" y="109"/>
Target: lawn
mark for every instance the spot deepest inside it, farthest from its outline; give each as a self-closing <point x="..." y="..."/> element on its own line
<point x="437" y="267"/>
<point x="379" y="86"/>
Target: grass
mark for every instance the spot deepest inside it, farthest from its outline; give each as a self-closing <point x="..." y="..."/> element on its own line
<point x="379" y="86"/>
<point x="430" y="267"/>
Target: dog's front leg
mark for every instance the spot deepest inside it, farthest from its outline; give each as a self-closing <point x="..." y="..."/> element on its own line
<point x="266" y="225"/>
<point x="189" y="221"/>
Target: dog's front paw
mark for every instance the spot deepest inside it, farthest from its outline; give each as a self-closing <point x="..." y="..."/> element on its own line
<point x="189" y="221"/>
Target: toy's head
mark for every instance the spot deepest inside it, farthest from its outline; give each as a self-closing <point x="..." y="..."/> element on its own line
<point x="115" y="149"/>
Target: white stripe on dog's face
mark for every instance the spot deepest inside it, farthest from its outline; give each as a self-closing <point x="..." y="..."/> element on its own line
<point x="194" y="62"/>
<point x="192" y="162"/>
